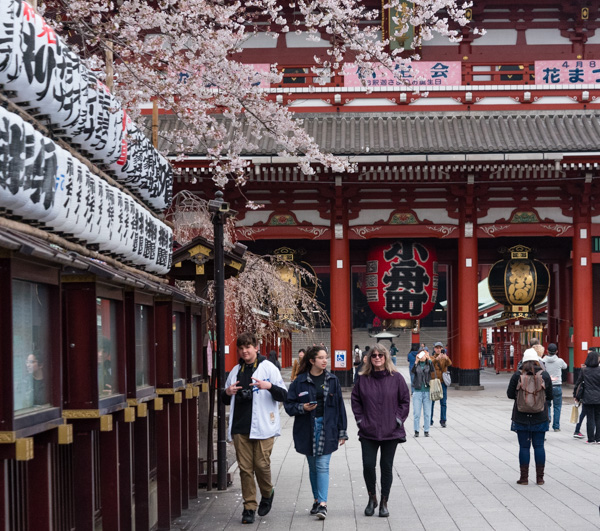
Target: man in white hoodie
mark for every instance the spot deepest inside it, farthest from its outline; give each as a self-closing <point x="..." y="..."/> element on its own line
<point x="253" y="389"/>
<point x="554" y="367"/>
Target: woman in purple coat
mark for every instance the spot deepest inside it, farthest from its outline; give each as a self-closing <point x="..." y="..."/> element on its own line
<point x="380" y="402"/>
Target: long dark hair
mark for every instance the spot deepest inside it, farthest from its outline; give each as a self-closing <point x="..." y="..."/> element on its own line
<point x="529" y="367"/>
<point x="592" y="359"/>
<point x="311" y="354"/>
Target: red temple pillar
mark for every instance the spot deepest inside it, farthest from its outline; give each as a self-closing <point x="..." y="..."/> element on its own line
<point x="341" y="309"/>
<point x="565" y="309"/>
<point x="553" y="302"/>
<point x="468" y="316"/>
<point x="582" y="288"/>
<point x="451" y="312"/>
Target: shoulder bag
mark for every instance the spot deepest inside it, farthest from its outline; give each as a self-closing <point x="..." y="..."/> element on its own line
<point x="447" y="378"/>
<point x="435" y="390"/>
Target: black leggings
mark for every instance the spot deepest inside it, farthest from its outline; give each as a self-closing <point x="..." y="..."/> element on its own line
<point x="386" y="463"/>
<point x="593" y="421"/>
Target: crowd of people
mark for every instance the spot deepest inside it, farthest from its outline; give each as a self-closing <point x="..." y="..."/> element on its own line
<point x="380" y="402"/>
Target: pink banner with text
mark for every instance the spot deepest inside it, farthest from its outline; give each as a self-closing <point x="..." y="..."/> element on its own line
<point x="421" y="73"/>
<point x="567" y="72"/>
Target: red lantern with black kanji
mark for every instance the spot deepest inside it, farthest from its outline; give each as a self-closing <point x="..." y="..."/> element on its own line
<point x="402" y="280"/>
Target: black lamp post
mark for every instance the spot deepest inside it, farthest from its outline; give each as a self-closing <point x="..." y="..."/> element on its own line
<point x="220" y="211"/>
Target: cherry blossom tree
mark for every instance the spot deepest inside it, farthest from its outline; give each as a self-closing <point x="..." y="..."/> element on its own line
<point x="158" y="45"/>
<point x="270" y="295"/>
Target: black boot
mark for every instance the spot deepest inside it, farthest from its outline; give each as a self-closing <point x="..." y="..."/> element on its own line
<point x="370" y="508"/>
<point x="383" y="510"/>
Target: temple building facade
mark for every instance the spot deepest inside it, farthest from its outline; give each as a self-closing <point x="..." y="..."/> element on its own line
<point x="490" y="143"/>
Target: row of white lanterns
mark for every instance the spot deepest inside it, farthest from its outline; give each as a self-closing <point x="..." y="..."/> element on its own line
<point x="39" y="72"/>
<point x="43" y="183"/>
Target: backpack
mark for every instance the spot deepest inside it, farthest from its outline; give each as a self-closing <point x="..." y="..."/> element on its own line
<point x="531" y="393"/>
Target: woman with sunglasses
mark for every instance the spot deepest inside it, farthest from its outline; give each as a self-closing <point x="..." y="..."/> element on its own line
<point x="380" y="402"/>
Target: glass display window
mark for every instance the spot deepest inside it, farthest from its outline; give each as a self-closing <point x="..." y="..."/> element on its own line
<point x="32" y="341"/>
<point x="108" y="359"/>
<point x="143" y="317"/>
<point x="194" y="343"/>
<point x="178" y="345"/>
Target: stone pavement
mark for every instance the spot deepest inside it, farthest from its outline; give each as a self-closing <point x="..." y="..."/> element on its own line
<point x="462" y="477"/>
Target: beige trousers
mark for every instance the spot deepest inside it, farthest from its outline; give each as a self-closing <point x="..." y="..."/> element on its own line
<point x="254" y="458"/>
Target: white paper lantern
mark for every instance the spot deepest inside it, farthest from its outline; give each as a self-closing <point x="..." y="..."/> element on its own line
<point x="11" y="25"/>
<point x="64" y="192"/>
<point x="39" y="176"/>
<point x="12" y="159"/>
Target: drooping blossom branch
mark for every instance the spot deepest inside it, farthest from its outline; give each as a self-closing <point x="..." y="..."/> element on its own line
<point x="183" y="53"/>
<point x="269" y="295"/>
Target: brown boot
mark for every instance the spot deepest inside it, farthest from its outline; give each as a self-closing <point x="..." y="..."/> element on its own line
<point x="539" y="473"/>
<point x="524" y="479"/>
<point x="370" y="508"/>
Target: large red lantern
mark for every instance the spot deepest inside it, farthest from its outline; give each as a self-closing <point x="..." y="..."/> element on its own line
<point x="402" y="280"/>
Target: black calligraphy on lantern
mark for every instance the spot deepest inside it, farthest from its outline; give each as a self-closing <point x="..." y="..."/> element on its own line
<point x="406" y="279"/>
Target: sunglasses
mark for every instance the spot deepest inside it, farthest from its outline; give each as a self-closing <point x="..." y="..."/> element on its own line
<point x="377" y="355"/>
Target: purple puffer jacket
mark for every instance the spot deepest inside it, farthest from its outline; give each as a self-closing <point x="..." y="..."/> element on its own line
<point x="380" y="403"/>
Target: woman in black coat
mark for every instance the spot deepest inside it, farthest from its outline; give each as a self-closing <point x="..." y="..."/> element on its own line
<point x="531" y="428"/>
<point x="315" y="401"/>
<point x="590" y="376"/>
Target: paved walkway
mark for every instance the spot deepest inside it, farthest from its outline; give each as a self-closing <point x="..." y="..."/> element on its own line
<point x="462" y="477"/>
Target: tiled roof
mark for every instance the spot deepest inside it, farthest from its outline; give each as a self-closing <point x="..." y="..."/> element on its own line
<point x="442" y="133"/>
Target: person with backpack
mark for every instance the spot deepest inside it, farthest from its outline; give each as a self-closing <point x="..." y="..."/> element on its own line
<point x="590" y="376"/>
<point x="531" y="389"/>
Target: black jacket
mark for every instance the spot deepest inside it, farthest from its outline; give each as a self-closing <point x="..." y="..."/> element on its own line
<point x="529" y="418"/>
<point x="423" y="375"/>
<point x="303" y="390"/>
<point x="591" y="388"/>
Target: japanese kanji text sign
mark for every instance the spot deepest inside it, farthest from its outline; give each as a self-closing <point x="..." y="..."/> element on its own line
<point x="402" y="280"/>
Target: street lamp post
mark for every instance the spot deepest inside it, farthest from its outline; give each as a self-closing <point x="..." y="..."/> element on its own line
<point x="220" y="211"/>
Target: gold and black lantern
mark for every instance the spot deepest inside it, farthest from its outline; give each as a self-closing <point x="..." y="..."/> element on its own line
<point x="519" y="283"/>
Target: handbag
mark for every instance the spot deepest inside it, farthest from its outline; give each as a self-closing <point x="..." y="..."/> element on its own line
<point x="446" y="378"/>
<point x="435" y="390"/>
<point x="574" y="415"/>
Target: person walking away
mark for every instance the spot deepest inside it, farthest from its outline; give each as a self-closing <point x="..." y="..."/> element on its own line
<point x="554" y="367"/>
<point x="356" y="359"/>
<point x="578" y="434"/>
<point x="296" y="364"/>
<point x="441" y="362"/>
<point x="423" y="372"/>
<point x="380" y="403"/>
<point x="365" y="355"/>
<point x="590" y="376"/>
<point x="530" y="422"/>
<point x="315" y="401"/>
<point x="411" y="358"/>
<point x="393" y="352"/>
<point x="252" y="391"/>
<point x="273" y="359"/>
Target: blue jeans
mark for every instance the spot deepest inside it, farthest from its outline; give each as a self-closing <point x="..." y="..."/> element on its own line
<point x="422" y="401"/>
<point x="528" y="438"/>
<point x="318" y="468"/>
<point x="442" y="404"/>
<point x="557" y="399"/>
